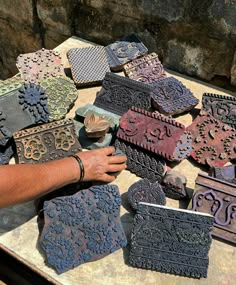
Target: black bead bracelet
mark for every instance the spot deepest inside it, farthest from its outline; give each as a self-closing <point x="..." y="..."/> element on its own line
<point x="80" y="165"/>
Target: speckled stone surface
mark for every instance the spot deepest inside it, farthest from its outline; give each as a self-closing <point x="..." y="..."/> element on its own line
<point x="113" y="269"/>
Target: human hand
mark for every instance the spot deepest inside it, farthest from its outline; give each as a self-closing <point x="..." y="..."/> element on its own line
<point x="99" y="162"/>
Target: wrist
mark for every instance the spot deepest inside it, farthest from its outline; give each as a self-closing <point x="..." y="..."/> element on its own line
<point x="80" y="166"/>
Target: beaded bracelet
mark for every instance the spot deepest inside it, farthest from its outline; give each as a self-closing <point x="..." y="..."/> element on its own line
<point x="78" y="159"/>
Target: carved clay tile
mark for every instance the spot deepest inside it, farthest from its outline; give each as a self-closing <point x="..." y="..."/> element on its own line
<point x="145" y="191"/>
<point x="6" y="152"/>
<point x="170" y="96"/>
<point x="174" y="185"/>
<point x="171" y="240"/>
<point x="82" y="112"/>
<point x="142" y="162"/>
<point x="95" y="126"/>
<point x="213" y="142"/>
<point x="226" y="173"/>
<point x="21" y="108"/>
<point x="88" y="65"/>
<point x="36" y="66"/>
<point x="61" y="93"/>
<point x="146" y="69"/>
<point x="10" y="85"/>
<point x="124" y="50"/>
<point x="217" y="198"/>
<point x="119" y="94"/>
<point x="223" y="108"/>
<point x="82" y="228"/>
<point x="47" y="142"/>
<point x="155" y="133"/>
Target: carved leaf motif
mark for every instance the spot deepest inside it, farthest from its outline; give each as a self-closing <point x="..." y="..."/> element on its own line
<point x="94" y="123"/>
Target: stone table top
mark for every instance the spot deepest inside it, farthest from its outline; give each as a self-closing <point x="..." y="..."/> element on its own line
<point x="114" y="269"/>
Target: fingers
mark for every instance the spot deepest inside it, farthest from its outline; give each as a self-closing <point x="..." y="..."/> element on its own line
<point x="117" y="159"/>
<point x="116" y="167"/>
<point x="107" y="178"/>
<point x="108" y="150"/>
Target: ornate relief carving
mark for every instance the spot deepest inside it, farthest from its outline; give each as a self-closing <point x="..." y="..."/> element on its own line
<point x="213" y="142"/>
<point x="171" y="240"/>
<point x="88" y="65"/>
<point x="83" y="227"/>
<point x="119" y="94"/>
<point x="124" y="50"/>
<point x="32" y="97"/>
<point x="61" y="93"/>
<point x="39" y="65"/>
<point x="142" y="162"/>
<point x="170" y="97"/>
<point x="149" y="130"/>
<point x="146" y="69"/>
<point x="6" y="153"/>
<point x="46" y="142"/>
<point x="223" y="108"/>
<point x="95" y="126"/>
<point x="217" y="198"/>
<point x="10" y="84"/>
<point x="145" y="191"/>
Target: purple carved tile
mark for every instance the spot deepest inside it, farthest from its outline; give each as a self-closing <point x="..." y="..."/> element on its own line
<point x="47" y="142"/>
<point x="142" y="162"/>
<point x="218" y="198"/>
<point x="119" y="94"/>
<point x="146" y="69"/>
<point x="223" y="108"/>
<point x="155" y="133"/>
<point x="124" y="50"/>
<point x="226" y="173"/>
<point x="82" y="228"/>
<point x="171" y="240"/>
<point x="88" y="65"/>
<point x="145" y="191"/>
<point x="170" y="97"/>
<point x="40" y="65"/>
<point x="174" y="185"/>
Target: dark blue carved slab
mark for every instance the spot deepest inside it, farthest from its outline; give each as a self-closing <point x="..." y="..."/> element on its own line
<point x="6" y="152"/>
<point x="171" y="97"/>
<point x="145" y="191"/>
<point x="119" y="94"/>
<point x="83" y="227"/>
<point x="171" y="240"/>
<point x="124" y="50"/>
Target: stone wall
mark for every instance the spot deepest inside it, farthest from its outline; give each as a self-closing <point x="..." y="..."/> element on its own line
<point x="197" y="38"/>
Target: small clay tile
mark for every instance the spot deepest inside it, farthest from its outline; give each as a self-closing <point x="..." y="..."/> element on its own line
<point x="88" y="65"/>
<point x="36" y="66"/>
<point x="226" y="173"/>
<point x="171" y="240"/>
<point x="95" y="126"/>
<point x="218" y="198"/>
<point x="155" y="133"/>
<point x="142" y="162"/>
<point x="21" y="108"/>
<point x="170" y="96"/>
<point x="46" y="142"/>
<point x="82" y="112"/>
<point x="9" y="85"/>
<point x="145" y="191"/>
<point x="82" y="228"/>
<point x="223" y="108"/>
<point x="119" y="94"/>
<point x="91" y="143"/>
<point x="6" y="152"/>
<point x="174" y="185"/>
<point x="124" y="50"/>
<point x="146" y="69"/>
<point x="61" y="93"/>
<point x="213" y="141"/>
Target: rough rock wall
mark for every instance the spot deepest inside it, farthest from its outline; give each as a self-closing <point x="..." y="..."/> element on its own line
<point x="197" y="38"/>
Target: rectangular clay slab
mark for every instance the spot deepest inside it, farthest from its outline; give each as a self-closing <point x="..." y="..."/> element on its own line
<point x="218" y="198"/>
<point x="171" y="240"/>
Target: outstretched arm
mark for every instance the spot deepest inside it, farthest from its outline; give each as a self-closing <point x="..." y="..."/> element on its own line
<point x="24" y="182"/>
